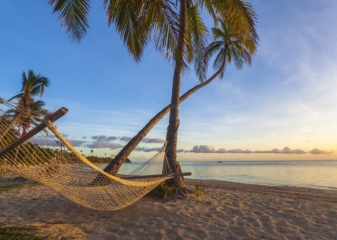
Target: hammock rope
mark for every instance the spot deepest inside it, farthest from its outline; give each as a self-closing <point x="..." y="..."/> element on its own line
<point x="49" y="158"/>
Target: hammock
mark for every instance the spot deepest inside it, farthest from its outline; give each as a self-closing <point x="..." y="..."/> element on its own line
<point x="42" y="154"/>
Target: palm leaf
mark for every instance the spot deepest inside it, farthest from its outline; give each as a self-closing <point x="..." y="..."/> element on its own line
<point x="199" y="35"/>
<point x="73" y="16"/>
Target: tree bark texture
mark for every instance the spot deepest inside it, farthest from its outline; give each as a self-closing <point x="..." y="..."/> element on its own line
<point x="172" y="130"/>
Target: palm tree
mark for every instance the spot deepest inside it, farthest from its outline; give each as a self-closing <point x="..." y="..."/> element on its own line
<point x="177" y="29"/>
<point x="231" y="47"/>
<point x="35" y="117"/>
<point x="32" y="85"/>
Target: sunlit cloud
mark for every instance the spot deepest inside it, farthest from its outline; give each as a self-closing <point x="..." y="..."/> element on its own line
<point x="285" y="150"/>
<point x="316" y="151"/>
<point x="203" y="149"/>
<point x="211" y="149"/>
<point x="153" y="140"/>
<point x="234" y="151"/>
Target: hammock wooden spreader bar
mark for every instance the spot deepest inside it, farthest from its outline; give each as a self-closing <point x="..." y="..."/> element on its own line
<point x="156" y="175"/>
<point x="52" y="117"/>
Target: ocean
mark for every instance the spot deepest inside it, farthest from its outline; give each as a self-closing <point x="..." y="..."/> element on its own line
<point x="310" y="174"/>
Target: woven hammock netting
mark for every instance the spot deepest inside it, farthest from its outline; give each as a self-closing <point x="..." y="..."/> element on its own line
<point x="65" y="170"/>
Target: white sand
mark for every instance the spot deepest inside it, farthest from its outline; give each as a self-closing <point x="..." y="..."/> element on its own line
<point x="226" y="211"/>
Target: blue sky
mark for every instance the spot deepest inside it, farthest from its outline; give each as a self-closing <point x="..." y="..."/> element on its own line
<point x="286" y="100"/>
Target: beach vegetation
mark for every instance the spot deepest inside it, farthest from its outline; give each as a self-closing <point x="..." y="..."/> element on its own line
<point x="178" y="30"/>
<point x="162" y="191"/>
<point x="9" y="187"/>
<point x="18" y="233"/>
<point x="199" y="190"/>
<point x="19" y="179"/>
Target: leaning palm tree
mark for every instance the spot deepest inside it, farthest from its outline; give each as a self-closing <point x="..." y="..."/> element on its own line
<point x="32" y="85"/>
<point x="177" y="30"/>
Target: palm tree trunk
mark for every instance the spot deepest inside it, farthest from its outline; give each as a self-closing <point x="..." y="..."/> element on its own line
<point x="172" y="130"/>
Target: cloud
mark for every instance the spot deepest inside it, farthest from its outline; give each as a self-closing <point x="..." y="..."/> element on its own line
<point x="76" y="143"/>
<point x="203" y="149"/>
<point x="115" y="145"/>
<point x="144" y="149"/>
<point x="210" y="149"/>
<point x="125" y="139"/>
<point x="84" y="137"/>
<point x="101" y="137"/>
<point x="104" y="137"/>
<point x="238" y="151"/>
<point x="275" y="150"/>
<point x="221" y="150"/>
<point x="298" y="151"/>
<point x="285" y="150"/>
<point x="316" y="151"/>
<point x="65" y="135"/>
<point x="111" y="138"/>
<point x="153" y="140"/>
<point x="103" y="144"/>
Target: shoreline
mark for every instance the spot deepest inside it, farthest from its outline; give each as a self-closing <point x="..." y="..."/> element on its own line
<point x="267" y="185"/>
<point x="227" y="210"/>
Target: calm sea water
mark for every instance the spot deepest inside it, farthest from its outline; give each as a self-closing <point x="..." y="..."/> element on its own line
<point x="312" y="174"/>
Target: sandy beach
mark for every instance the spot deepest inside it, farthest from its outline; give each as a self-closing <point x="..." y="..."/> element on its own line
<point x="225" y="211"/>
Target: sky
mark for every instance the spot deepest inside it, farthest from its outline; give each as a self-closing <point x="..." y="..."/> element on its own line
<point x="282" y="107"/>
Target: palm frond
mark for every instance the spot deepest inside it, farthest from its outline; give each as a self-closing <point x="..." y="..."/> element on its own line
<point x="214" y="47"/>
<point x="199" y="35"/>
<point x="166" y="29"/>
<point x="73" y="16"/>
<point x="127" y="17"/>
<point x="18" y="96"/>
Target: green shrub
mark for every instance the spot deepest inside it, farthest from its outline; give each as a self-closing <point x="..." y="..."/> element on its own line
<point x="162" y="191"/>
<point x="18" y="233"/>
<point x="199" y="191"/>
<point x="9" y="187"/>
